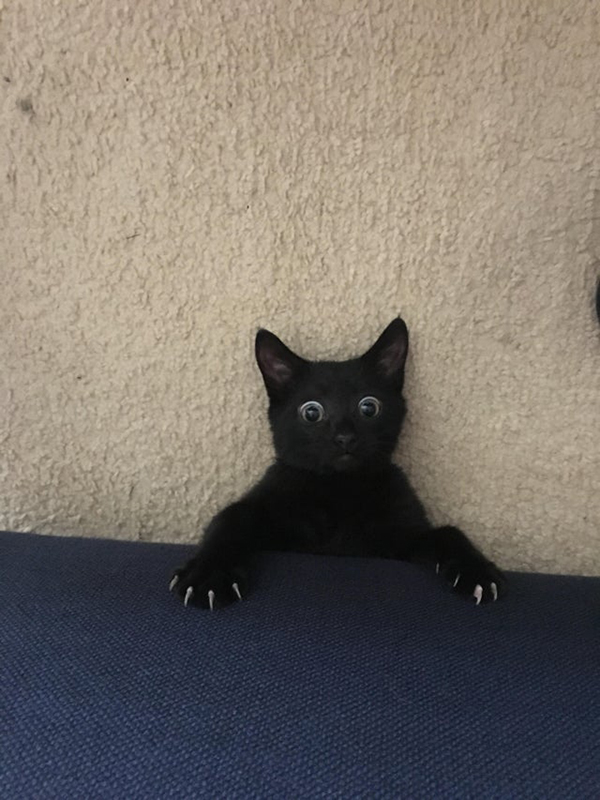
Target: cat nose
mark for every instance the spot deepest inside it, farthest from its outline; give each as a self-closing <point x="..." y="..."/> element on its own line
<point x="347" y="441"/>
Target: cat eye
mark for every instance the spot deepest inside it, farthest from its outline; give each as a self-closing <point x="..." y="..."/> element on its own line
<point x="369" y="407"/>
<point x="311" y="411"/>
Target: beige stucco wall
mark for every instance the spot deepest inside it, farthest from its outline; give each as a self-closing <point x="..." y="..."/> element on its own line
<point x="174" y="175"/>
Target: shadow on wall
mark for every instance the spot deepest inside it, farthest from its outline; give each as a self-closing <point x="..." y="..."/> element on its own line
<point x="594" y="247"/>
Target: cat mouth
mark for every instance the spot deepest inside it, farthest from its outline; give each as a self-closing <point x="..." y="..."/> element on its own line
<point x="346" y="461"/>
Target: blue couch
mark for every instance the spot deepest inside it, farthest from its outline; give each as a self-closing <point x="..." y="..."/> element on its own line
<point x="335" y="678"/>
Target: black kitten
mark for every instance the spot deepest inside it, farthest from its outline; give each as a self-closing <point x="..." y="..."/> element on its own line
<point x="333" y="488"/>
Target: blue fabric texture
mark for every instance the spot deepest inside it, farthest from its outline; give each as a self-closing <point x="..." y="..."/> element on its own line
<point x="333" y="678"/>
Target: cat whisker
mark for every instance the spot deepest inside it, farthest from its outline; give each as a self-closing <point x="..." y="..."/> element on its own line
<point x="478" y="594"/>
<point x="211" y="599"/>
<point x="188" y="595"/>
<point x="494" y="590"/>
<point x="437" y="568"/>
<point x="174" y="581"/>
<point x="456" y="580"/>
<point x="236" y="589"/>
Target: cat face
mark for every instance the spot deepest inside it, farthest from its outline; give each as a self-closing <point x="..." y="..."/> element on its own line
<point x="342" y="416"/>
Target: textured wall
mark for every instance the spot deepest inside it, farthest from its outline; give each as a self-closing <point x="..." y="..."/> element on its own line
<point x="176" y="174"/>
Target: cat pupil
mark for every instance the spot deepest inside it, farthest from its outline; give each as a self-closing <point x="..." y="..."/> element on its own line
<point x="312" y="411"/>
<point x="369" y="406"/>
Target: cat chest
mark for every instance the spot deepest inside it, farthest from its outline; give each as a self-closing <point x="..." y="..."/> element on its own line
<point x="336" y="530"/>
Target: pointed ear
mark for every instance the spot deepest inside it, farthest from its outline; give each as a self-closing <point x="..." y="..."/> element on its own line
<point x="388" y="354"/>
<point x="279" y="366"/>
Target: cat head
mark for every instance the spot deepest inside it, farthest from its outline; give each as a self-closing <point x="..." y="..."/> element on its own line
<point x="335" y="416"/>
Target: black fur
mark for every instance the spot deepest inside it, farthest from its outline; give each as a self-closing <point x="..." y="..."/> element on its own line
<point x="333" y="488"/>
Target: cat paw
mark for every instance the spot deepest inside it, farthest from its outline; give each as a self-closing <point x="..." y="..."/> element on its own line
<point x="474" y="578"/>
<point x="210" y="589"/>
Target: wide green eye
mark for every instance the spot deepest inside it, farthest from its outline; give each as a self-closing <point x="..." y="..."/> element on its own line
<point x="369" y="407"/>
<point x="311" y="411"/>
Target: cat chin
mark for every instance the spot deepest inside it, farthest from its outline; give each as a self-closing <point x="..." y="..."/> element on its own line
<point x="346" y="463"/>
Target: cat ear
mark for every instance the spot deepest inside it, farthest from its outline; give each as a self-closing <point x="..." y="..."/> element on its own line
<point x="388" y="354"/>
<point x="279" y="366"/>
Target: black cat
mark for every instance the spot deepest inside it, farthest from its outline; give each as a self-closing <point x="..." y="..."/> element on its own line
<point x="333" y="488"/>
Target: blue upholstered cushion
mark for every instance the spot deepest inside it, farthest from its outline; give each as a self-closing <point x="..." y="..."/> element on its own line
<point x="334" y="678"/>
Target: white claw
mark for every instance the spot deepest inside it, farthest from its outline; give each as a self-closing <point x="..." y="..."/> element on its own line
<point x="478" y="594"/>
<point x="236" y="589"/>
<point x="188" y="595"/>
<point x="173" y="583"/>
<point x="456" y="580"/>
<point x="494" y="589"/>
<point x="211" y="599"/>
<point x="437" y="567"/>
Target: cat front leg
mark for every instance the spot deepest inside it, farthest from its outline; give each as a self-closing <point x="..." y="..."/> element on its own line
<point x="218" y="573"/>
<point x="460" y="563"/>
